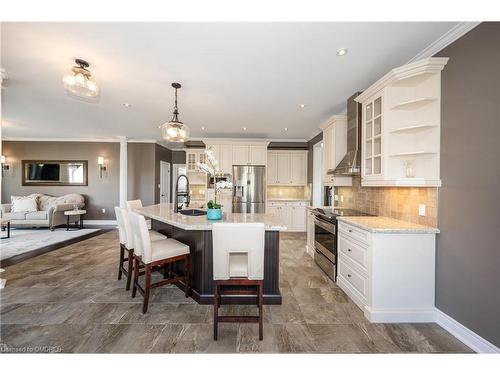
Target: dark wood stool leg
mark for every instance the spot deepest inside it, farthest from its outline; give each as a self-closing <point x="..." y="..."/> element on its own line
<point x="120" y="265"/>
<point x="186" y="275"/>
<point x="261" y="302"/>
<point x="216" y="310"/>
<point x="129" y="268"/>
<point x="136" y="276"/>
<point x="147" y="287"/>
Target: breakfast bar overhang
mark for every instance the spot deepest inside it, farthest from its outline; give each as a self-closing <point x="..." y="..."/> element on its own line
<point x="196" y="232"/>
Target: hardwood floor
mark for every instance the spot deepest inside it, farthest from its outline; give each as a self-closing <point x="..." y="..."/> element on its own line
<point x="69" y="300"/>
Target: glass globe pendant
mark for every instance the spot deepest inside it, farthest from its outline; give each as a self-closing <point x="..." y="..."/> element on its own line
<point x="175" y="130"/>
<point x="80" y="83"/>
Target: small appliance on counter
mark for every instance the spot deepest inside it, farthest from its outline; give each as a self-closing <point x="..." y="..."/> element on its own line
<point x="325" y="237"/>
<point x="212" y="180"/>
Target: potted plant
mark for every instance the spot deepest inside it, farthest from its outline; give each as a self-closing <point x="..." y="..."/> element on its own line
<point x="214" y="211"/>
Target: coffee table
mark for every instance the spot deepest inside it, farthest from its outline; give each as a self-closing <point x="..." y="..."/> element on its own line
<point x="78" y="213"/>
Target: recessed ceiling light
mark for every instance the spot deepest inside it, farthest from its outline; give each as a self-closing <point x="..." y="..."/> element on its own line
<point x="302" y="106"/>
<point x="286" y="129"/>
<point x="244" y="128"/>
<point x="203" y="128"/>
<point x="127" y="105"/>
<point x="342" y="52"/>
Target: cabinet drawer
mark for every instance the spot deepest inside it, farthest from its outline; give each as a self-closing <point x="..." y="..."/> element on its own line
<point x="352" y="277"/>
<point x="354" y="232"/>
<point x="352" y="250"/>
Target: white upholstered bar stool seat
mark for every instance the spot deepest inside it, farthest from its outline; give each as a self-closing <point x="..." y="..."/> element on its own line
<point x="155" y="254"/>
<point x="238" y="262"/>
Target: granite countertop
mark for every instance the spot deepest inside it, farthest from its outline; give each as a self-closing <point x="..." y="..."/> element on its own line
<point x="164" y="212"/>
<point x="382" y="224"/>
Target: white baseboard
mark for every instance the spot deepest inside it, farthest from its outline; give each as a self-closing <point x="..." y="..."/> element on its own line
<point x="400" y="315"/>
<point x="99" y="222"/>
<point x="464" y="334"/>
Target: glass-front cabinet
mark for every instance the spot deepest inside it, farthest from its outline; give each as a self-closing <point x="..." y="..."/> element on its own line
<point x="372" y="137"/>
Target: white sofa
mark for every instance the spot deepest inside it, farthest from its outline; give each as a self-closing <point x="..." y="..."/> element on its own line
<point x="50" y="211"/>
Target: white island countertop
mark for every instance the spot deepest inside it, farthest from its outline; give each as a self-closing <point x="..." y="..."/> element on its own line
<point x="164" y="212"/>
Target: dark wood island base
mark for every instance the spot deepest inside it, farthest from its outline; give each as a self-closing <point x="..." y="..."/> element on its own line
<point x="201" y="269"/>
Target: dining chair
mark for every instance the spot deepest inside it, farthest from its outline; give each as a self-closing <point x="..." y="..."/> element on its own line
<point x="156" y="255"/>
<point x="238" y="268"/>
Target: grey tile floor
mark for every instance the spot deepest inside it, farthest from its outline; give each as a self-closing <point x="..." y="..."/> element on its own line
<point x="69" y="300"/>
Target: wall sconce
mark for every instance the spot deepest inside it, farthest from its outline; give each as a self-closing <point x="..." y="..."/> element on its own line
<point x="102" y="165"/>
<point x="5" y="166"/>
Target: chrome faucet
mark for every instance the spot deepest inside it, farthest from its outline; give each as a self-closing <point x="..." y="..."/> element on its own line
<point x="181" y="193"/>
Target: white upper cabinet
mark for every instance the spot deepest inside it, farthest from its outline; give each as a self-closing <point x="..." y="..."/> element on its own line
<point x="298" y="168"/>
<point x="241" y="155"/>
<point x="226" y="158"/>
<point x="272" y="167"/>
<point x="258" y="155"/>
<point x="401" y="120"/>
<point x="193" y="157"/>
<point x="230" y="153"/>
<point x="334" y="149"/>
<point x="287" y="167"/>
<point x="284" y="173"/>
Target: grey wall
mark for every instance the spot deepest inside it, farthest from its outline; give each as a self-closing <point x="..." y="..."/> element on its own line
<point x="310" y="156"/>
<point x="141" y="172"/>
<point x="161" y="154"/>
<point x="100" y="192"/>
<point x="178" y="157"/>
<point x="468" y="248"/>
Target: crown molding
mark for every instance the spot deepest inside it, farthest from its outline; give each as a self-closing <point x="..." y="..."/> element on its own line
<point x="246" y="140"/>
<point x="98" y="140"/>
<point x="445" y="40"/>
<point x="429" y="65"/>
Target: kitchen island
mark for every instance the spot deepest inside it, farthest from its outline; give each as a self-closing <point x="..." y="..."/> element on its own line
<point x="196" y="232"/>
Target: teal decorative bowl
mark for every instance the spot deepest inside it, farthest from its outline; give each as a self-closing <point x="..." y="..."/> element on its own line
<point x="214" y="214"/>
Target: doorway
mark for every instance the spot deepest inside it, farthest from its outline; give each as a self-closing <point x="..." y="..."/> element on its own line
<point x="317" y="172"/>
<point x="164" y="182"/>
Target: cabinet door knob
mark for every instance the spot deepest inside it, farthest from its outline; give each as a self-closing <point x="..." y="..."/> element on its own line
<point x="348" y="275"/>
<point x="350" y="230"/>
<point x="349" y="250"/>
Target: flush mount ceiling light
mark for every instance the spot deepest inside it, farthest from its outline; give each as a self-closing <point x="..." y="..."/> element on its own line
<point x="127" y="105"/>
<point x="245" y="129"/>
<point x="79" y="82"/>
<point x="286" y="129"/>
<point x="174" y="130"/>
<point x="342" y="52"/>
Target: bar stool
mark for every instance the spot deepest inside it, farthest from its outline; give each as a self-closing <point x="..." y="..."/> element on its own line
<point x="134" y="205"/>
<point x="155" y="254"/>
<point x="238" y="263"/>
<point x="127" y="244"/>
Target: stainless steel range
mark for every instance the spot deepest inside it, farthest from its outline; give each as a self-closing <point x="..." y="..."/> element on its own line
<point x="325" y="237"/>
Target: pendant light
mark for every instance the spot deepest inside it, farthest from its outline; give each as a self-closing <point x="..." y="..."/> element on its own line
<point x="80" y="83"/>
<point x="174" y="130"/>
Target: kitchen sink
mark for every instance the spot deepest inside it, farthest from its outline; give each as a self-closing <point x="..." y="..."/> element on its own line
<point x="193" y="212"/>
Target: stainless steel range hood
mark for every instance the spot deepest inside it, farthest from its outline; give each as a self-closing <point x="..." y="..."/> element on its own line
<point x="350" y="165"/>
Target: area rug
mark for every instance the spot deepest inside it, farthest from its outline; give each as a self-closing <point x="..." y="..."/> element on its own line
<point x="25" y="243"/>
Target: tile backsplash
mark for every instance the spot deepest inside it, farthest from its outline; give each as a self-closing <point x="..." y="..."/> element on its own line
<point x="288" y="192"/>
<point x="396" y="202"/>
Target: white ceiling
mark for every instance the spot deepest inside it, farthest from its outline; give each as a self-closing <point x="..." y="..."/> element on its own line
<point x="234" y="75"/>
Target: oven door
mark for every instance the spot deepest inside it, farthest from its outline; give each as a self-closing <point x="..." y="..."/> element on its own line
<point x="325" y="239"/>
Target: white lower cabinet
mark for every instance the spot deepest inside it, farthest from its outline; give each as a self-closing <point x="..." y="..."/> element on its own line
<point x="292" y="214"/>
<point x="390" y="276"/>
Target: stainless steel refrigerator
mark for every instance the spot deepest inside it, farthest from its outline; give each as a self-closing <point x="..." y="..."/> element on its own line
<point x="249" y="189"/>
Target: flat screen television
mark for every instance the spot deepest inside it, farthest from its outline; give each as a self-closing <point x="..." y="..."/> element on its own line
<point x="43" y="172"/>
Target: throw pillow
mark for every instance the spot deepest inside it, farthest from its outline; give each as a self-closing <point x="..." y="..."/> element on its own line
<point x="23" y="204"/>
